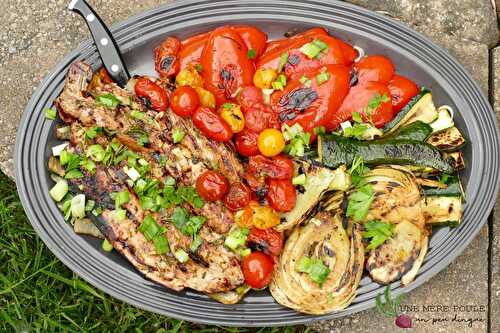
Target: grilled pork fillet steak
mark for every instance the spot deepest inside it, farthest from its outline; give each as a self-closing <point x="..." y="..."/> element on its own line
<point x="212" y="268"/>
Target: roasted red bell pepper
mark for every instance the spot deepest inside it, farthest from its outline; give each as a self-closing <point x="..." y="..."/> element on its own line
<point x="167" y="57"/>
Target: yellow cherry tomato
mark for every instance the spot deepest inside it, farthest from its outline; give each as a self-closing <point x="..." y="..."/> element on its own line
<point x="264" y="217"/>
<point x="232" y="114"/>
<point x="189" y="76"/>
<point x="270" y="142"/>
<point x="207" y="99"/>
<point x="264" y="78"/>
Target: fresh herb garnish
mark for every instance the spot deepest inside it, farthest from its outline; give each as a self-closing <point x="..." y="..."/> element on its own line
<point x="108" y="100"/>
<point x="359" y="202"/>
<point x="50" y="114"/>
<point x="69" y="160"/>
<point x="149" y="227"/>
<point x="280" y="82"/>
<point x="137" y="114"/>
<point x="188" y="225"/>
<point x="107" y="246"/>
<point x="355" y="131"/>
<point x="251" y="54"/>
<point x="322" y="77"/>
<point x="177" y="135"/>
<point x="161" y="244"/>
<point x="96" y="152"/>
<point x="378" y="231"/>
<point x="92" y="132"/>
<point x="316" y="269"/>
<point x="444" y="178"/>
<point x="236" y="238"/>
<point x="72" y="174"/>
<point x="283" y="61"/>
<point x="298" y="140"/>
<point x="390" y="307"/>
<point x="198" y="67"/>
<point x="374" y="103"/>
<point x="313" y="49"/>
<point x="121" y="198"/>
<point x="305" y="81"/>
<point x="319" y="130"/>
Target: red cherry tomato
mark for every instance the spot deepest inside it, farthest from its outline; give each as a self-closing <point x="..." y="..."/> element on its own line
<point x="184" y="101"/>
<point x="316" y="105"/>
<point x="261" y="116"/>
<point x="211" y="185"/>
<point x="246" y="143"/>
<point x="257" y="270"/>
<point x="212" y="125"/>
<point x="257" y="184"/>
<point x="166" y="57"/>
<point x="226" y="67"/>
<point x="254" y="38"/>
<point x="238" y="197"/>
<point x="268" y="241"/>
<point x="154" y="96"/>
<point x="248" y="97"/>
<point x="374" y="68"/>
<point x="357" y="101"/>
<point x="402" y="91"/>
<point x="281" y="194"/>
<point x="278" y="167"/>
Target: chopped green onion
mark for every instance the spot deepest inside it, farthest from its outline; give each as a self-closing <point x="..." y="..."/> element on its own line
<point x="92" y="132"/>
<point x="178" y="135"/>
<point x="320" y="44"/>
<point x="195" y="244"/>
<point x="59" y="190"/>
<point x="305" y="81"/>
<point x="137" y="114"/>
<point x="251" y="54"/>
<point x="161" y="244"/>
<point x="169" y="181"/>
<point x="96" y="152"/>
<point x="198" y="67"/>
<point x="132" y="173"/>
<point x="280" y="82"/>
<point x="89" y="205"/>
<point x="88" y="165"/>
<point x="107" y="246"/>
<point x="181" y="255"/>
<point x="356" y="116"/>
<point x="149" y="228"/>
<point x="244" y="252"/>
<point x="108" y="100"/>
<point x="78" y="206"/>
<point x="121" y="198"/>
<point x="283" y="61"/>
<point x="299" y="180"/>
<point x="319" y="130"/>
<point x="120" y="214"/>
<point x="236" y="238"/>
<point x="310" y="50"/>
<point x="143" y="162"/>
<point x="322" y="77"/>
<point x="50" y="114"/>
<point x="227" y="106"/>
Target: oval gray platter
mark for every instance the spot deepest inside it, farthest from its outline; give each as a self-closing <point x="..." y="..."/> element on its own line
<point x="414" y="56"/>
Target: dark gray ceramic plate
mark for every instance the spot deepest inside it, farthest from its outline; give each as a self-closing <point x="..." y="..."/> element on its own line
<point x="413" y="55"/>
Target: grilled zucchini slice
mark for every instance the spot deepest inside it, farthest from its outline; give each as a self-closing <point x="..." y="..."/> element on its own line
<point x="444" y="119"/>
<point x="442" y="211"/>
<point x="456" y="159"/>
<point x="417" y="131"/>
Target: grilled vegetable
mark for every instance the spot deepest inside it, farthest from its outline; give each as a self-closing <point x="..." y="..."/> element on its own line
<point x="442" y="211"/>
<point x="231" y="297"/>
<point x="456" y="159"/>
<point x="444" y="119"/>
<point x="420" y="108"/>
<point x="318" y="181"/>
<point x="452" y="188"/>
<point x="338" y="254"/>
<point x="448" y="140"/>
<point x="335" y="151"/>
<point x="417" y="131"/>
<point x="86" y="227"/>
<point x="398" y="255"/>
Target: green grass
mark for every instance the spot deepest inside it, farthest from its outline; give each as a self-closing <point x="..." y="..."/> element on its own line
<point x="39" y="294"/>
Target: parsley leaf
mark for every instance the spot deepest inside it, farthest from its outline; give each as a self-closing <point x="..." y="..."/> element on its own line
<point x="108" y="100"/>
<point x="378" y="231"/>
<point x="356" y="131"/>
<point x="360" y="202"/>
<point x="188" y="225"/>
<point x="316" y="269"/>
<point x="251" y="54"/>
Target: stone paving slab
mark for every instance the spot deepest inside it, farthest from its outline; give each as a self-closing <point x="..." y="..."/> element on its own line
<point x="495" y="241"/>
<point x="36" y="34"/>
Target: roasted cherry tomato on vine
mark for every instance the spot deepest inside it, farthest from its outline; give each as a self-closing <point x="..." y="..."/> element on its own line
<point x="211" y="185"/>
<point x="166" y="57"/>
<point x="237" y="197"/>
<point x="248" y="97"/>
<point x="281" y="194"/>
<point x="271" y="142"/>
<point x="374" y="68"/>
<point x="257" y="184"/>
<point x="246" y="143"/>
<point x="268" y="241"/>
<point x="184" y="101"/>
<point x="402" y="91"/>
<point x="260" y="117"/>
<point x="278" y="167"/>
<point x="226" y="67"/>
<point x="264" y="216"/>
<point x="154" y="96"/>
<point x="212" y="125"/>
<point x="257" y="269"/>
<point x="314" y="104"/>
<point x="372" y="100"/>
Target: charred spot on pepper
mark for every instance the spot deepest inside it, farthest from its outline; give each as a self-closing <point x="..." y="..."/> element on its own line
<point x="167" y="62"/>
<point x="299" y="99"/>
<point x="353" y="77"/>
<point x="293" y="59"/>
